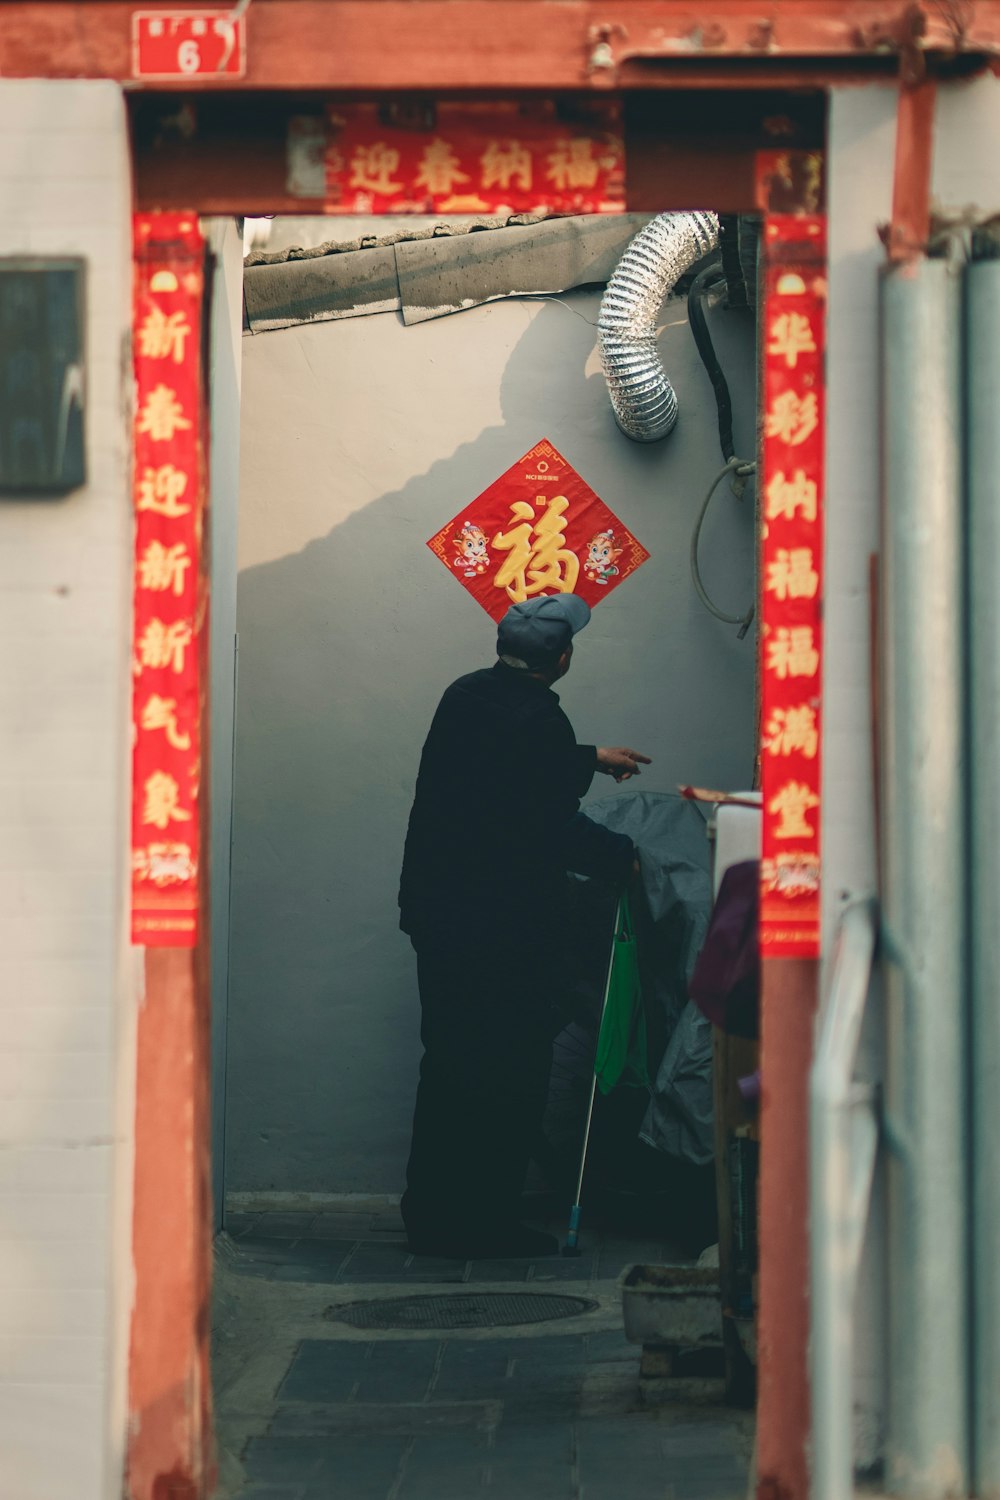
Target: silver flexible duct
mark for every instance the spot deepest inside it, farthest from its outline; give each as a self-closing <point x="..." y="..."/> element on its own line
<point x="643" y="399"/>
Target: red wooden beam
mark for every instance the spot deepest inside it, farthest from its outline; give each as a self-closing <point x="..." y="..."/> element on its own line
<point x="911" y="189"/>
<point x="228" y="155"/>
<point x="508" y="45"/>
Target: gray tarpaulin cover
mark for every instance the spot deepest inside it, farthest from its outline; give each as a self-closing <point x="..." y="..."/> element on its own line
<point x="672" y="837"/>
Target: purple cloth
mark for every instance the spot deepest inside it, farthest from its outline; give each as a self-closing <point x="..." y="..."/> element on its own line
<point x="749" y="1088"/>
<point x="725" y="984"/>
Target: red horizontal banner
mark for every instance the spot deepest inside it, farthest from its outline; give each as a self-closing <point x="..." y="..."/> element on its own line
<point x="497" y="159"/>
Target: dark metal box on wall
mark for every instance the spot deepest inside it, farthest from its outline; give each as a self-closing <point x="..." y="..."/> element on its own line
<point x="42" y="450"/>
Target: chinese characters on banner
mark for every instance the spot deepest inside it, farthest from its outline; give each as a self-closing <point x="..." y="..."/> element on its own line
<point x="476" y="160"/>
<point x="169" y="497"/>
<point x="791" y="500"/>
<point x="538" y="529"/>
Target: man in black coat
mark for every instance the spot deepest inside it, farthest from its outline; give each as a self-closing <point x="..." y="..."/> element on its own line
<point x="494" y="827"/>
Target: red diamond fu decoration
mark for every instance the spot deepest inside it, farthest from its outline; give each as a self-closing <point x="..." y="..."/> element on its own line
<point x="538" y="529"/>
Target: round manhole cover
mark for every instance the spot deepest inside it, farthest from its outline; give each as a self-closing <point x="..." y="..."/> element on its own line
<point x="459" y="1310"/>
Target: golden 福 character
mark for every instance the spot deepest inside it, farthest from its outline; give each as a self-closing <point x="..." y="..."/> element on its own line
<point x="161" y="713"/>
<point x="536" y="559"/>
<point x="162" y="335"/>
<point x="791" y="575"/>
<point x="162" y="801"/>
<point x="162" y="415"/>
<point x="517" y="544"/>
<point x="372" y="168"/>
<point x="503" y="162"/>
<point x="793" y="418"/>
<point x="791" y="336"/>
<point x="787" y="497"/>
<point x="791" y="804"/>
<point x="571" y="164"/>
<point x="792" y="729"/>
<point x="161" y="568"/>
<point x="791" y="652"/>
<point x="160" y="491"/>
<point x="163" y="646"/>
<point x="439" y="169"/>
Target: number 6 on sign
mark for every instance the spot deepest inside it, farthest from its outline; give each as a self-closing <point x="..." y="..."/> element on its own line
<point x="188" y="57"/>
<point x="188" y="44"/>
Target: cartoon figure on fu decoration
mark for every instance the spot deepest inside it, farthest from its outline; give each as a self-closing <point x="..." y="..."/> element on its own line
<point x="599" y="564"/>
<point x="473" y="552"/>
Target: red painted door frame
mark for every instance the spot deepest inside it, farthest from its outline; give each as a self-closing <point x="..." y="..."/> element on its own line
<point x="169" y="1455"/>
<point x="169" y="1450"/>
<point x="514" y="46"/>
<point x="789" y="995"/>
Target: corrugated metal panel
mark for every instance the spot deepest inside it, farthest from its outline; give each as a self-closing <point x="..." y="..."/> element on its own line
<point x="415" y="227"/>
<point x="432" y="275"/>
<point x="547" y="257"/>
<point x="320" y="288"/>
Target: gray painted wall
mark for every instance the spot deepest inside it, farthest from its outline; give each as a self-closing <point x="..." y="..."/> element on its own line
<point x="862" y="149"/>
<point x="359" y="440"/>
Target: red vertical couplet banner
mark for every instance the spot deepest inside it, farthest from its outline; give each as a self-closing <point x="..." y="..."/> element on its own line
<point x="791" y="582"/>
<point x="169" y="502"/>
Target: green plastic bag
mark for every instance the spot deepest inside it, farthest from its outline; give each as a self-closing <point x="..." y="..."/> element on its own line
<point x="621" y="1043"/>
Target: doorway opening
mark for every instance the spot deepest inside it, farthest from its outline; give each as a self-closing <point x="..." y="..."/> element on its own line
<point x="365" y="430"/>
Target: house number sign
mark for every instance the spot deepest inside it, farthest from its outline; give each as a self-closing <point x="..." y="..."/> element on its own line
<point x="188" y="44"/>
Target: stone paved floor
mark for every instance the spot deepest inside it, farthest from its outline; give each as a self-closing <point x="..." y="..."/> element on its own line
<point x="309" y="1408"/>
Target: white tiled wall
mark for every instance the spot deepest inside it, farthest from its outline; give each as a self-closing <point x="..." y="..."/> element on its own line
<point x="67" y="981"/>
<point x="965" y="181"/>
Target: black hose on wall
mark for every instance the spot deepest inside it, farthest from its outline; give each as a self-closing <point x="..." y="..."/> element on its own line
<point x="697" y="294"/>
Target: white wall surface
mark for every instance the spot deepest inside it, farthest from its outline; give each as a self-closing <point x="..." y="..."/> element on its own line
<point x="965" y="183"/>
<point x="67" y="986"/>
<point x="361" y="438"/>
<point x="966" y="174"/>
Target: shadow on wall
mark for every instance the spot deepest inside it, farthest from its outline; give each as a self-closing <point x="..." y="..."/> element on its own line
<point x="346" y="645"/>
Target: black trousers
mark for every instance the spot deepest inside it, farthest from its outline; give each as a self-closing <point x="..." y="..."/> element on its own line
<point x="487" y="1036"/>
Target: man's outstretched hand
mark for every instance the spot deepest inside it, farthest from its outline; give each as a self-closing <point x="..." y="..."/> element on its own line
<point x="620" y="762"/>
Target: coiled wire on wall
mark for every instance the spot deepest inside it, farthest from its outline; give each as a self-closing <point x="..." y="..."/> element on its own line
<point x="738" y="470"/>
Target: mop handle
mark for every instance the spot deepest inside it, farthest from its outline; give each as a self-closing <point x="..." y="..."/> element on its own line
<point x="593" y="1078"/>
